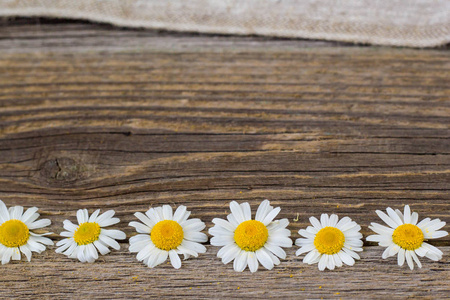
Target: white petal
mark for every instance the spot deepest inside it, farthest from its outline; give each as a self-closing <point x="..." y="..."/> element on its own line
<point x="94" y="215"/>
<point x="107" y="215"/>
<point x="342" y="222"/>
<point x="306" y="234"/>
<point x="277" y="225"/>
<point x="144" y="219"/>
<point x="407" y="220"/>
<point x="303" y="242"/>
<point x="423" y="222"/>
<point x="193" y="225"/>
<point x="305" y="249"/>
<point x="186" y="252"/>
<point x="101" y="247"/>
<point x="311" y="257"/>
<point x="337" y="260"/>
<point x="421" y="251"/>
<point x="262" y="211"/>
<point x="162" y="257"/>
<point x="25" y="250"/>
<point x="178" y="216"/>
<point x="438" y="234"/>
<point x="140" y="228"/>
<point x="264" y="258"/>
<point x="333" y="220"/>
<point x="408" y="254"/>
<point x="346" y="259"/>
<point x="167" y="212"/>
<point x="386" y="219"/>
<point x="220" y="231"/>
<point x="380" y="229"/>
<point x="324" y="220"/>
<point x="315" y="223"/>
<point x="278" y="251"/>
<point x="401" y="257"/>
<point x="29" y="213"/>
<point x="7" y="254"/>
<point x="175" y="259"/>
<point x="199" y="248"/>
<point x="237" y="212"/>
<point x="42" y="240"/>
<point x="246" y="210"/>
<point x="399" y="214"/>
<point x="270" y="216"/>
<point x="351" y="253"/>
<point x="222" y="223"/>
<point x="92" y="252"/>
<point x="228" y="253"/>
<point x="323" y="260"/>
<point x="280" y="241"/>
<point x="107" y="222"/>
<point x="4" y="216"/>
<point x="82" y="216"/>
<point x="416" y="259"/>
<point x="252" y="262"/>
<point x="113" y="233"/>
<point x="109" y="241"/>
<point x="69" y="226"/>
<point x="240" y="262"/>
<point x="66" y="234"/>
<point x="221" y="240"/>
<point x="394" y="216"/>
<point x="39" y="224"/>
<point x="63" y="245"/>
<point x="330" y="263"/>
<point x="153" y="215"/>
<point x="232" y="219"/>
<point x="17" y="212"/>
<point x="414" y="218"/>
<point x="195" y="236"/>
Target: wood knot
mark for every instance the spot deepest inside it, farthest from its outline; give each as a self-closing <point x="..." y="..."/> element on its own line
<point x="61" y="170"/>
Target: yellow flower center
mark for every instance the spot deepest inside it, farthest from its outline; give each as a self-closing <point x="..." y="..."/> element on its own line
<point x="408" y="236"/>
<point x="251" y="235"/>
<point x="329" y="240"/>
<point x="167" y="235"/>
<point x="87" y="233"/>
<point x="14" y="233"/>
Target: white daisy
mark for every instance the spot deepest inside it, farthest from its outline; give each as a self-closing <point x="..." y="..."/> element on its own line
<point x="330" y="242"/>
<point x="83" y="241"/>
<point x="406" y="237"/>
<point x="166" y="234"/>
<point x="248" y="241"/>
<point x="16" y="235"/>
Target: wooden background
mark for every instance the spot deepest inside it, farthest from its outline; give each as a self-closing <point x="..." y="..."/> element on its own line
<point x="96" y="117"/>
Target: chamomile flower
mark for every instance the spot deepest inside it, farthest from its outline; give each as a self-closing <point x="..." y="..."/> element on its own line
<point x="85" y="240"/>
<point x="164" y="234"/>
<point x="16" y="235"/>
<point x="330" y="242"/>
<point x="406" y="237"/>
<point x="250" y="242"/>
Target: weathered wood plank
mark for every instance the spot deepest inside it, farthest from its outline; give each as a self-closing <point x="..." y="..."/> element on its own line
<point x="97" y="117"/>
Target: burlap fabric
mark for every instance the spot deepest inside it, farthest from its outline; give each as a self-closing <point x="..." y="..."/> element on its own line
<point x="414" y="23"/>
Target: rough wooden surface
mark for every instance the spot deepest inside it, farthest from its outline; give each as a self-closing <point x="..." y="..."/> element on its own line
<point x="95" y="117"/>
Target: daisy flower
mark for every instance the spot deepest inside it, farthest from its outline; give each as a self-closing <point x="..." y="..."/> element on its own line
<point x="85" y="239"/>
<point x="406" y="237"/>
<point x="164" y="234"/>
<point x="16" y="235"/>
<point x="248" y="241"/>
<point x="330" y="242"/>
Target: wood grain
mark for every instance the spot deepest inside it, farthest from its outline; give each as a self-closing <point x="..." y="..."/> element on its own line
<point x="96" y="117"/>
